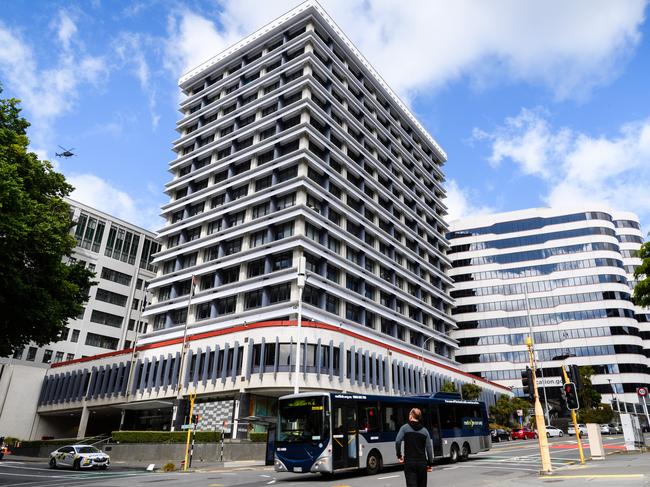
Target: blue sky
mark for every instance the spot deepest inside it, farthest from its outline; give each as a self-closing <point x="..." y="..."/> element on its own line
<point x="535" y="103"/>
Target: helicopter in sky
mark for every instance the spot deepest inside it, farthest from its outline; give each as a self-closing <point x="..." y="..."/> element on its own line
<point x="66" y="152"/>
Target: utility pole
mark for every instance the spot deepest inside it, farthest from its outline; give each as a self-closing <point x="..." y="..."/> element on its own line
<point x="539" y="415"/>
<point x="541" y="369"/>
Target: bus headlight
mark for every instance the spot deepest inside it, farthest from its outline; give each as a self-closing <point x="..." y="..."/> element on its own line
<point x="323" y="463"/>
<point x="279" y="466"/>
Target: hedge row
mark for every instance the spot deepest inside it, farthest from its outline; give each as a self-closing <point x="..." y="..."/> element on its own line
<point x="257" y="437"/>
<point x="53" y="443"/>
<point x="164" y="436"/>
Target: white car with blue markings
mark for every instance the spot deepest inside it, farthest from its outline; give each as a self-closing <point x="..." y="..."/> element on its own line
<point x="79" y="457"/>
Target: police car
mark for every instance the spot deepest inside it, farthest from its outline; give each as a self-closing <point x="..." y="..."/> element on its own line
<point x="78" y="457"/>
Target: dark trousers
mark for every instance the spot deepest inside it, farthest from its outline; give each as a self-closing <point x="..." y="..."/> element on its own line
<point x="415" y="474"/>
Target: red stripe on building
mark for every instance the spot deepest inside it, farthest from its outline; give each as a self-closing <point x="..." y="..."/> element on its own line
<point x="269" y="324"/>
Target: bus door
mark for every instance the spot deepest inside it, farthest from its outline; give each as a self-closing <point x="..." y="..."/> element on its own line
<point x="433" y="425"/>
<point x="345" y="443"/>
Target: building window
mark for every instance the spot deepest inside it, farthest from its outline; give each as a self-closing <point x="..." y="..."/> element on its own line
<point x="31" y="354"/>
<point x="110" y="297"/>
<point x="101" y="341"/>
<point x="263" y="183"/>
<point x="352" y="313"/>
<point x="286" y="201"/>
<point x="230" y="275"/>
<point x="279" y="294"/>
<point x="253" y="299"/>
<point x="203" y="311"/>
<point x="283" y="231"/>
<point x="105" y="319"/>
<point x="47" y="356"/>
<point x="256" y="268"/>
<point x="232" y="246"/>
<point x="282" y="261"/>
<point x="261" y="210"/>
<point x="116" y="276"/>
<point x="331" y="304"/>
<point x="74" y="338"/>
<point x="226" y="305"/>
<point x="258" y="238"/>
<point x="58" y="357"/>
<point x="69" y="357"/>
<point x="333" y="274"/>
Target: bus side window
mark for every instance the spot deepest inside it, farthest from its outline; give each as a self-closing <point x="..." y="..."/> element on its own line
<point x="448" y="418"/>
<point x="389" y="418"/>
<point x="369" y="419"/>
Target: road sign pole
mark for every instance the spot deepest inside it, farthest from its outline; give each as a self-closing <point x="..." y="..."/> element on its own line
<point x="575" y="421"/>
<point x="189" y="431"/>
<point x="642" y="392"/>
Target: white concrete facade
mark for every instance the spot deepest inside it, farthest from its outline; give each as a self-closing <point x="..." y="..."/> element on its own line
<point x="573" y="264"/>
<point x="290" y="145"/>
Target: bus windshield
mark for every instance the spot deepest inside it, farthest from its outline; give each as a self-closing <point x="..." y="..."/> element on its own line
<point x="302" y="419"/>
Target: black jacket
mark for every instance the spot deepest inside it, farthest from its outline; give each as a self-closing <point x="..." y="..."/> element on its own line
<point x="418" y="447"/>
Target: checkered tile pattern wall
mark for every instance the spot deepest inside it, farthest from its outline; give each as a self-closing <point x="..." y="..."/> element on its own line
<point x="213" y="414"/>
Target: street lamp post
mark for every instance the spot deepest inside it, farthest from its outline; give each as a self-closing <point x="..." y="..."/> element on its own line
<point x="181" y="367"/>
<point x="302" y="277"/>
<point x="530" y="330"/>
<point x="422" y="352"/>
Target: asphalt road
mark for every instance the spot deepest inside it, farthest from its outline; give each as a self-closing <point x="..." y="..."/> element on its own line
<point x="507" y="463"/>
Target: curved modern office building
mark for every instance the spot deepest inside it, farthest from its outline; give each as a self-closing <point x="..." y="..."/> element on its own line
<point x="575" y="267"/>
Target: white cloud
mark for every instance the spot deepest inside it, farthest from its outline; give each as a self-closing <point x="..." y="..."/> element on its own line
<point x="98" y="193"/>
<point x="47" y="93"/>
<point x="131" y="50"/>
<point x="567" y="47"/>
<point x="461" y="203"/>
<point x="578" y="168"/>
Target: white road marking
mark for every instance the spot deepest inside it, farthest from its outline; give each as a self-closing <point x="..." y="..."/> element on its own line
<point x="388" y="477"/>
<point x="271" y="482"/>
<point x="265" y="476"/>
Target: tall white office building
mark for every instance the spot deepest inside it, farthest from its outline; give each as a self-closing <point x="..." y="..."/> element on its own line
<point x="291" y="146"/>
<point x="576" y="267"/>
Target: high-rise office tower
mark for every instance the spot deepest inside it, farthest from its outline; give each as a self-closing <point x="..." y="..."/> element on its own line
<point x="292" y="146"/>
<point x="573" y="267"/>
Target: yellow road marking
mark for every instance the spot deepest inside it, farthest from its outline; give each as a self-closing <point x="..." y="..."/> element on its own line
<point x="599" y="476"/>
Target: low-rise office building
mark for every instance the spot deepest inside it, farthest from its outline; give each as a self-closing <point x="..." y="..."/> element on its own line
<point x="120" y="254"/>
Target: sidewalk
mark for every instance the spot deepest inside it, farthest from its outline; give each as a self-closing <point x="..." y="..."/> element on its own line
<point x="632" y="468"/>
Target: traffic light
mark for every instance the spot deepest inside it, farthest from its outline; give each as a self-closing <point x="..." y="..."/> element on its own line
<point x="571" y="396"/>
<point x="574" y="376"/>
<point x="196" y="418"/>
<point x="527" y="383"/>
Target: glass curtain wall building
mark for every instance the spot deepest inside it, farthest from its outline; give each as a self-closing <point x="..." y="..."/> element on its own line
<point x="575" y="267"/>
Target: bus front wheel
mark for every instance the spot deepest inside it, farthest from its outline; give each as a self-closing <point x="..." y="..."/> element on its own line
<point x="373" y="464"/>
<point x="454" y="453"/>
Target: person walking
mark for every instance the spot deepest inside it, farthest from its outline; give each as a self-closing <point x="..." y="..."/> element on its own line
<point x="418" y="450"/>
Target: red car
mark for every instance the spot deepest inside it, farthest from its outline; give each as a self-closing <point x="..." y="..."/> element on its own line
<point x="523" y="434"/>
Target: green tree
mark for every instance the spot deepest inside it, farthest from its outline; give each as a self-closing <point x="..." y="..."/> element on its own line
<point x="602" y="414"/>
<point x="470" y="391"/>
<point x="506" y="407"/>
<point x="642" y="275"/>
<point x="448" y="386"/>
<point x="39" y="292"/>
<point x="588" y="397"/>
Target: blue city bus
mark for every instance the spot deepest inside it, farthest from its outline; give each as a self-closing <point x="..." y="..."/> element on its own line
<point x="327" y="432"/>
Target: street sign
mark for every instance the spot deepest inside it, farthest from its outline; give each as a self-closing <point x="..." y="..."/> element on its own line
<point x="188" y="426"/>
<point x="642" y="391"/>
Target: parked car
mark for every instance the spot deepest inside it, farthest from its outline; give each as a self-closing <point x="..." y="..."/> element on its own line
<point x="582" y="430"/>
<point x="552" y="431"/>
<point x="78" y="457"/>
<point x="616" y="428"/>
<point x="607" y="429"/>
<point x="499" y="434"/>
<point x="523" y="434"/>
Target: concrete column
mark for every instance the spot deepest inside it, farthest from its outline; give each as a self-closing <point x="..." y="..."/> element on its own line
<point x="83" y="422"/>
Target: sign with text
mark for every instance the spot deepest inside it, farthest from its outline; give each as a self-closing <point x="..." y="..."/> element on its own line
<point x="549" y="382"/>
